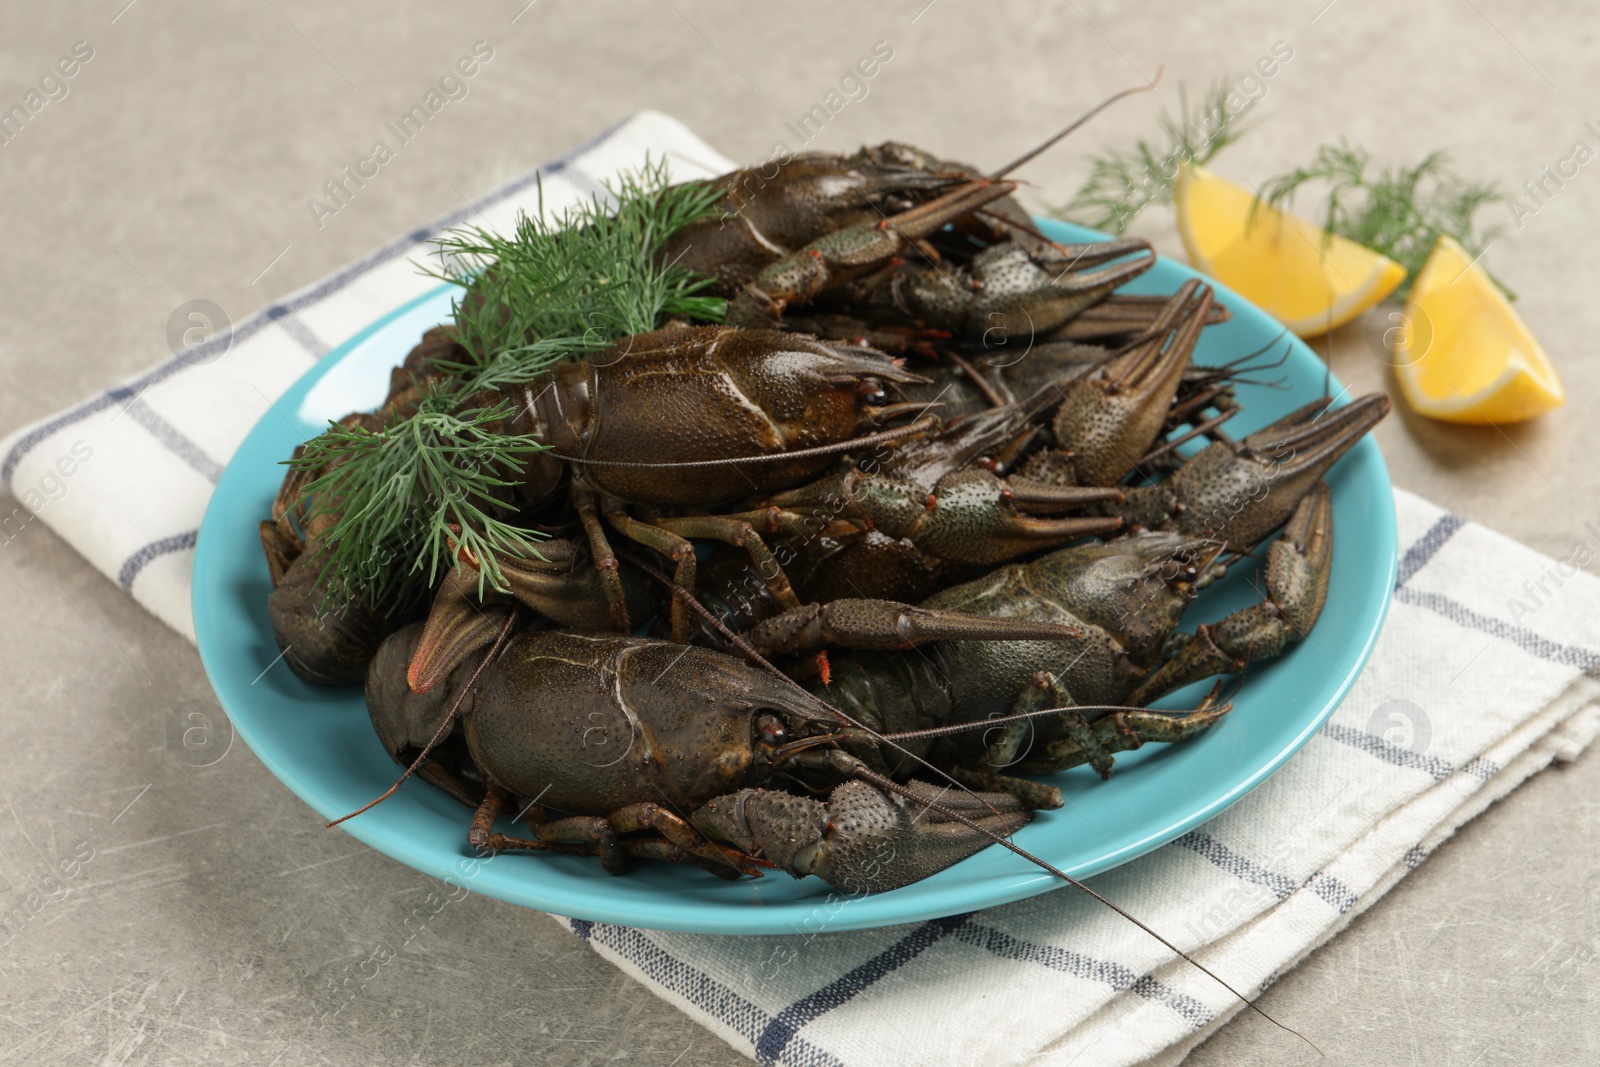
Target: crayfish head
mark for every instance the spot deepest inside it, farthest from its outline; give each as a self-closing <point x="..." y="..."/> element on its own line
<point x="692" y="722"/>
<point x="812" y="391"/>
<point x="700" y="415"/>
<point x="791" y="201"/>
<point x="781" y="735"/>
<point x="1134" y="587"/>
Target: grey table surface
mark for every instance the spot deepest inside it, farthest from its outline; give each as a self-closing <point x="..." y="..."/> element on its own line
<point x="217" y="915"/>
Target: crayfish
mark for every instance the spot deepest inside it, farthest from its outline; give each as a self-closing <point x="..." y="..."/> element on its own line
<point x="788" y="596"/>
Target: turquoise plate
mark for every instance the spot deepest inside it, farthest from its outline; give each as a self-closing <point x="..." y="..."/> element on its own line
<point x="319" y="743"/>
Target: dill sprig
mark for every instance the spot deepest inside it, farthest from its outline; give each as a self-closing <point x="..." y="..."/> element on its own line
<point x="446" y="467"/>
<point x="1399" y="211"/>
<point x="1122" y="183"/>
<point x="403" y="499"/>
<point x="555" y="289"/>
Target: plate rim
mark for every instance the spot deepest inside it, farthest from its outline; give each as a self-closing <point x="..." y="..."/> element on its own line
<point x="870" y="911"/>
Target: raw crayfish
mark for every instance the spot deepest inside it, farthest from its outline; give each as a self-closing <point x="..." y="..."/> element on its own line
<point x="793" y="453"/>
<point x="693" y="395"/>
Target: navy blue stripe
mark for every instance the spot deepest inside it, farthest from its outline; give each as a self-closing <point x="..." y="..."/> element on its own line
<point x="1330" y="889"/>
<point x="1115" y="975"/>
<point x="154" y="550"/>
<point x="302" y="335"/>
<point x="584" y="181"/>
<point x="321" y="291"/>
<point x="1571" y="655"/>
<point x="777" y="1035"/>
<point x="1480" y="767"/>
<point x="776" y="1039"/>
<point x="1247" y="870"/>
<point x="1338" y="895"/>
<point x="1426" y="547"/>
<point x="175" y="440"/>
<point x="28" y="441"/>
<point x="1399" y="756"/>
<point x="706" y="994"/>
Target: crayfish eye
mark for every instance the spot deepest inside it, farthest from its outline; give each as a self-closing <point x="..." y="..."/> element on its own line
<point x="771" y="730"/>
<point x="872" y="392"/>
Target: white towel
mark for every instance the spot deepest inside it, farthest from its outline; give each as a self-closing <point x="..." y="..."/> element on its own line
<point x="1474" y="685"/>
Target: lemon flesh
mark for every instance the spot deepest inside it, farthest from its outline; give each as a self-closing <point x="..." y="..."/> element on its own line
<point x="1308" y="280"/>
<point x="1462" y="354"/>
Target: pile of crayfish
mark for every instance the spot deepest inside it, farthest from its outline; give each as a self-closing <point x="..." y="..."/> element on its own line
<point x="828" y="587"/>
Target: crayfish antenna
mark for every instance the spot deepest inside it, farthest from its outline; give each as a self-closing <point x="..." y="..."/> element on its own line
<point x="756" y="657"/>
<point x="1092" y="713"/>
<point x="890" y="785"/>
<point x="910" y="429"/>
<point x="1029" y="155"/>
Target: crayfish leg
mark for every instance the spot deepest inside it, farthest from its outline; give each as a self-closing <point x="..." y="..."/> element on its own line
<point x="600" y="835"/>
<point x="719" y="859"/>
<point x="888" y="625"/>
<point x="584" y="835"/>
<point x="679" y="550"/>
<point x="605" y="560"/>
<point x="1124" y="731"/>
<point x="737" y="533"/>
<point x="1035" y="796"/>
<point x="1046" y="691"/>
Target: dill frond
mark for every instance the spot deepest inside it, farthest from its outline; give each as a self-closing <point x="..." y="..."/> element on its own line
<point x="401" y="495"/>
<point x="1123" y="183"/>
<point x="1399" y="211"/>
<point x="559" y="288"/>
<point x="404" y="499"/>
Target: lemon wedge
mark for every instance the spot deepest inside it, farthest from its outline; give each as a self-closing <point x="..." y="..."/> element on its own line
<point x="1462" y="354"/>
<point x="1279" y="262"/>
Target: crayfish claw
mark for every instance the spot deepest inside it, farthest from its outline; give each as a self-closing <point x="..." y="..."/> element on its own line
<point x="1242" y="491"/>
<point x="888" y="625"/>
<point x="863" y="839"/>
<point x="1110" y="418"/>
<point x="1297" y="573"/>
<point x="456" y="628"/>
<point x="327" y="637"/>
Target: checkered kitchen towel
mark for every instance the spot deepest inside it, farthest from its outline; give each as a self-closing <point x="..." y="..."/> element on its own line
<point x="1474" y="686"/>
